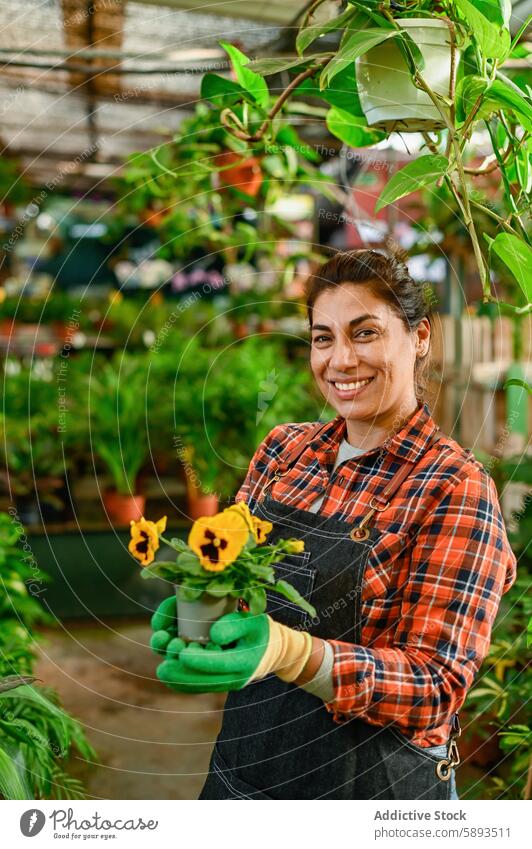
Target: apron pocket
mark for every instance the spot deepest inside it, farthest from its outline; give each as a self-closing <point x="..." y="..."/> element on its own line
<point x="432" y="753"/>
<point x="235" y="787"/>
<point x="294" y="570"/>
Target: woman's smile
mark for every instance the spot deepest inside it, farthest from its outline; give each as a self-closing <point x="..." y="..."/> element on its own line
<point x="363" y="360"/>
<point x="348" y="389"/>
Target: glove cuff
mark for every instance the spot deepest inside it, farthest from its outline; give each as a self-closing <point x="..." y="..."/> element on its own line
<point x="286" y="654"/>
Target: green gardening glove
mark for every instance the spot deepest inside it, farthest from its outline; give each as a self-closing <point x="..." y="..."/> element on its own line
<point x="218" y="666"/>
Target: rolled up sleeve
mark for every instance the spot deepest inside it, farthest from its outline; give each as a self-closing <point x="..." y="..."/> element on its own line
<point x="461" y="564"/>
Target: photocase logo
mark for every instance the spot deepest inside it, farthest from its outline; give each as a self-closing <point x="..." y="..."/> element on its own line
<point x="267" y="390"/>
<point x="32" y="822"/>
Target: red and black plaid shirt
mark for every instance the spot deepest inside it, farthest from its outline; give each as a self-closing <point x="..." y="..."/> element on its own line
<point x="433" y="581"/>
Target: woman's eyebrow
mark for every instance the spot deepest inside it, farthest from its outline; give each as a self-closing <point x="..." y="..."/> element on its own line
<point x="352" y="323"/>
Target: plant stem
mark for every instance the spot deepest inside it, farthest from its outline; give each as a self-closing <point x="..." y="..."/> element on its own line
<point x="498" y="219"/>
<point x="470" y="224"/>
<point x="304" y="75"/>
<point x="507" y="188"/>
<point x="464" y="202"/>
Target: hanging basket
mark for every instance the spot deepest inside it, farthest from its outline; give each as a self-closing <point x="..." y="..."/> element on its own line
<point x="390" y="100"/>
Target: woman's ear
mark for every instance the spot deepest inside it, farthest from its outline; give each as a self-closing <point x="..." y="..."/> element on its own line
<point x="423" y="338"/>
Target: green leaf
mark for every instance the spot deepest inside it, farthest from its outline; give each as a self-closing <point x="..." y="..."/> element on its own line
<point x="496" y="11"/>
<point x="356" y="45"/>
<point x="413" y="176"/>
<point x="258" y="570"/>
<point x="220" y="91"/>
<point x="13" y="784"/>
<point x="517" y="256"/>
<point x="288" y="591"/>
<point x="266" y="67"/>
<point x="501" y="95"/>
<point x="256" y="599"/>
<point x="493" y="38"/>
<point x="165" y="569"/>
<point x="468" y="91"/>
<point x="253" y="83"/>
<point x="179" y="544"/>
<point x="188" y="593"/>
<point x="220" y="586"/>
<point x="343" y="92"/>
<point x="515" y="381"/>
<point x="309" y="34"/>
<point x="411" y="52"/>
<point x="351" y="129"/>
<point x="523" y="166"/>
<point x="189" y="563"/>
<point x="529" y="633"/>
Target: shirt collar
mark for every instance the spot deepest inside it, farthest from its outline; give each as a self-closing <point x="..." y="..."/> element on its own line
<point x="407" y="444"/>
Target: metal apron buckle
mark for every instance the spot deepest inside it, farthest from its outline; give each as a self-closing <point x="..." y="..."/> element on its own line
<point x="444" y="767"/>
<point x="361" y="531"/>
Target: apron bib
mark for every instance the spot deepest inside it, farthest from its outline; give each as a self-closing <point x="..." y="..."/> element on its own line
<point x="279" y="742"/>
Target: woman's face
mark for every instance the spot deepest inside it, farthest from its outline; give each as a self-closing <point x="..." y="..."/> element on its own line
<point x="362" y="355"/>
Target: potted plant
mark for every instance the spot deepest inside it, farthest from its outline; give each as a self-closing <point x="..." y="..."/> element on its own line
<point x="227" y="400"/>
<point x="109" y="415"/>
<point x="225" y="559"/>
<point x="485" y="98"/>
<point x="36" y="733"/>
<point x="389" y="97"/>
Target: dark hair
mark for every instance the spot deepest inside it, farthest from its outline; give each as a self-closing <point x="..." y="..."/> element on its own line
<point x="388" y="278"/>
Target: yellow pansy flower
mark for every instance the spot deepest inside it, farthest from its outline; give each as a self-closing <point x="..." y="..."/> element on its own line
<point x="295" y="546"/>
<point x="218" y="540"/>
<point x="261" y="529"/>
<point x="258" y="527"/>
<point x="145" y="539"/>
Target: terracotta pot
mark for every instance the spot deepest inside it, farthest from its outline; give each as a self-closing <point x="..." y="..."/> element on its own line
<point x="246" y="176"/>
<point x="240" y="329"/>
<point x="8" y="327"/>
<point x="121" y="509"/>
<point x="194" y="618"/>
<point x="200" y="503"/>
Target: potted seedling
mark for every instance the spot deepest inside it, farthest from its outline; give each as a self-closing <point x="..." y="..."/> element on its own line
<point x="226" y="558"/>
<point x="109" y="408"/>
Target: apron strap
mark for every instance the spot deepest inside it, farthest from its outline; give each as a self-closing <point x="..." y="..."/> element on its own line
<point x="298" y="449"/>
<point x="361" y="531"/>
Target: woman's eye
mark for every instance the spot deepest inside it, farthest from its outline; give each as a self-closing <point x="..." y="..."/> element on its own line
<point x="359" y="334"/>
<point x="318" y="339"/>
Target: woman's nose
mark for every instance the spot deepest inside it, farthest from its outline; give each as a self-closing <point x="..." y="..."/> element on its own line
<point x="343" y="355"/>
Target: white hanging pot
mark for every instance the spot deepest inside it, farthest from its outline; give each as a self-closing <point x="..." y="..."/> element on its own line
<point x="388" y="96"/>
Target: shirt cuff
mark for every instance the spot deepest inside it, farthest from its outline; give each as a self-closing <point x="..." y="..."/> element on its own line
<point x="321" y="685"/>
<point x="353" y="680"/>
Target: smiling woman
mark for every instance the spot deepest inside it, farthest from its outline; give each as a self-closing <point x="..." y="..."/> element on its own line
<point x="406" y="560"/>
<point x="371" y="327"/>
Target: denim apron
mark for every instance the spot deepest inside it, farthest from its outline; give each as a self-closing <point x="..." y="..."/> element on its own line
<point x="279" y="742"/>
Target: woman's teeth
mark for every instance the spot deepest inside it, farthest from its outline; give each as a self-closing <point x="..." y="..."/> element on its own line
<point x="345" y="387"/>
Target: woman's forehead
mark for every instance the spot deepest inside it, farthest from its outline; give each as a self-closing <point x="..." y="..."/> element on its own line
<point x="347" y="301"/>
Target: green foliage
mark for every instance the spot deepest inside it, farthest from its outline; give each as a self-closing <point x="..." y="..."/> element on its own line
<point x="500" y="700"/>
<point x="227" y="401"/>
<point x="109" y="408"/>
<point x="412" y="177"/>
<point x="485" y="96"/>
<point x="248" y="577"/>
<point x="36" y="734"/>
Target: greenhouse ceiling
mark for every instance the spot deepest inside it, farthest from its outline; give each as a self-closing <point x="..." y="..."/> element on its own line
<point x="84" y="82"/>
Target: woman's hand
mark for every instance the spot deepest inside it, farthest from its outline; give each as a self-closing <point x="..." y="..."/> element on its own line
<point x="244" y="647"/>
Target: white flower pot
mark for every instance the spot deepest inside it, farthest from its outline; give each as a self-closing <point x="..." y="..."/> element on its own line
<point x="194" y="618"/>
<point x="389" y="99"/>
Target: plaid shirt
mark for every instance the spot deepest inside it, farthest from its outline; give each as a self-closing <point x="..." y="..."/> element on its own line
<point x="433" y="581"/>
